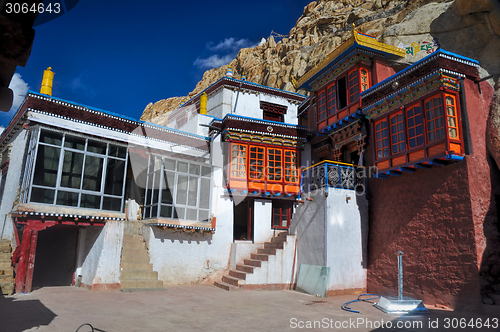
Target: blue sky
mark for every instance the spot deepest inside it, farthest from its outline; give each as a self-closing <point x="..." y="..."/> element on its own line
<point x="121" y="55"/>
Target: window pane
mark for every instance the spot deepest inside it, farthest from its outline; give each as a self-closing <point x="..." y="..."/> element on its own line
<point x="117" y="151"/>
<point x="92" y="175"/>
<point x="169" y="164"/>
<point x="154" y="211"/>
<point x="72" y="170"/>
<point x="193" y="191"/>
<point x="156" y="187"/>
<point x="111" y="204"/>
<point x="67" y="198"/>
<point x="191" y="214"/>
<point x="42" y="195"/>
<point x="168" y="186"/>
<point x="47" y="162"/>
<point x="74" y="142"/>
<point x="51" y="137"/>
<point x="203" y="215"/>
<point x="182" y="183"/>
<point x="166" y="211"/>
<point x="90" y="201"/>
<point x="113" y="184"/>
<point x="206" y="171"/>
<point x="182" y="167"/>
<point x="96" y="147"/>
<point x="205" y="193"/>
<point x="194" y="169"/>
<point x="179" y="212"/>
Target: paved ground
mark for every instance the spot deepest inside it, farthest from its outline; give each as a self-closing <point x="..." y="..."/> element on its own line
<point x="206" y="308"/>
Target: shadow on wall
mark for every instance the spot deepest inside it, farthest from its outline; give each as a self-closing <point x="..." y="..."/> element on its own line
<point x="180" y="236"/>
<point x="363" y="208"/>
<point x="19" y="315"/>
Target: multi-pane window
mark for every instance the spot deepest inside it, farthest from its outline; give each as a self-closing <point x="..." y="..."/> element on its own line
<point x="397" y="133"/>
<point x="321" y="105"/>
<point x="256" y="167"/>
<point x="353" y="86"/>
<point x="451" y="116"/>
<point x="238" y="160"/>
<point x="177" y="189"/>
<point x="382" y="138"/>
<point x="364" y="79"/>
<point x="291" y="171"/>
<point x="282" y="215"/>
<point x="434" y="115"/>
<point x="274" y="164"/>
<point x="331" y="99"/>
<point x="415" y="125"/>
<point x="78" y="171"/>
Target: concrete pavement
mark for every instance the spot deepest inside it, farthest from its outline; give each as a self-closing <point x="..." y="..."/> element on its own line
<point x="207" y="308"/>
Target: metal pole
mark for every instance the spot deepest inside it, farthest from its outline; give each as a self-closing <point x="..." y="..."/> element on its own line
<point x="400" y="274"/>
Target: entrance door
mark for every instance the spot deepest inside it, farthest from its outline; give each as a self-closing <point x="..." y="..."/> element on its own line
<point x="243" y="221"/>
<point x="55" y="256"/>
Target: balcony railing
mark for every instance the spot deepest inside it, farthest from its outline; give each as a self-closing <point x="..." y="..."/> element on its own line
<point x="332" y="174"/>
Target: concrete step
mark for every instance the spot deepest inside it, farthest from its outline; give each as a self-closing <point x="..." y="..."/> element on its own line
<point x="259" y="257"/>
<point x="6" y="288"/>
<point x="130" y="237"/>
<point x="5" y="266"/>
<point x="273" y="245"/>
<point x="225" y="286"/>
<point x="134" y="244"/>
<point x="244" y="268"/>
<point x="252" y="262"/>
<point x="139" y="274"/>
<point x="143" y="289"/>
<point x="140" y="283"/>
<point x="267" y="251"/>
<point x="5" y="278"/>
<point x="136" y="266"/>
<point x="135" y="255"/>
<point x="238" y="274"/>
<point x="5" y="247"/>
<point x="231" y="280"/>
<point x="278" y="239"/>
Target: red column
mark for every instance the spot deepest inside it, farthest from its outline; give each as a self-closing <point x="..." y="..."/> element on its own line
<point x="23" y="259"/>
<point x="31" y="261"/>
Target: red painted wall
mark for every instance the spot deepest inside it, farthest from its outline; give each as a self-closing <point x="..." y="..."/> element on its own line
<point x="438" y="218"/>
<point x="381" y="71"/>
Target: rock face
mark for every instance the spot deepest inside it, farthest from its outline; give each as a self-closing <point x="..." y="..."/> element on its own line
<point x="467" y="27"/>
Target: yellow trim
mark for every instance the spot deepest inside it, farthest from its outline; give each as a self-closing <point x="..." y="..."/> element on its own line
<point x="332" y="162"/>
<point x="361" y="40"/>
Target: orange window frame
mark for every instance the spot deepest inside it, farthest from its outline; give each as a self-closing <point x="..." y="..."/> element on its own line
<point x="434" y="117"/>
<point x="321" y="105"/>
<point x="396" y="122"/>
<point x="331" y="99"/>
<point x="353" y="86"/>
<point x="415" y="126"/>
<point x="381" y="139"/>
<point x="452" y="116"/>
<point x="291" y="171"/>
<point x="274" y="164"/>
<point x="364" y="79"/>
<point x="238" y="161"/>
<point x="256" y="162"/>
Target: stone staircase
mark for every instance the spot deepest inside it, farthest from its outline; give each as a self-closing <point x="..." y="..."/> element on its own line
<point x="136" y="270"/>
<point x="6" y="269"/>
<point x="258" y="262"/>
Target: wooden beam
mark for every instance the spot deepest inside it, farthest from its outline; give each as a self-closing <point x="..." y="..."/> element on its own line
<point x="31" y="262"/>
<point x="23" y="259"/>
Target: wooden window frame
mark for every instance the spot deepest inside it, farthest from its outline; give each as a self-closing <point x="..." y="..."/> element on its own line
<point x="398" y="133"/>
<point x="256" y="169"/>
<point x="368" y="79"/>
<point x="245" y="157"/>
<point x="331" y="99"/>
<point x="290" y="166"/>
<point x="454" y="117"/>
<point x="355" y="87"/>
<point x="415" y="126"/>
<point x="321" y="105"/>
<point x="281" y="209"/>
<point x="434" y="118"/>
<point x="382" y="138"/>
<point x="274" y="174"/>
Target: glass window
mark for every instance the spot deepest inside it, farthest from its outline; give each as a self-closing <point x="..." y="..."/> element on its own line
<point x="291" y="171"/>
<point x="353" y="86"/>
<point x="256" y="161"/>
<point x="282" y="215"/>
<point x="415" y="123"/>
<point x="434" y="116"/>
<point x="321" y="105"/>
<point x="365" y="83"/>
<point x="331" y="99"/>
<point x="451" y="116"/>
<point x="238" y="160"/>
<point x="382" y="138"/>
<point x="73" y="175"/>
<point x="397" y="133"/>
<point x="274" y="164"/>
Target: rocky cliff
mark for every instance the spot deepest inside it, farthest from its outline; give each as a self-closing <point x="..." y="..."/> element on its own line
<point x="467" y="27"/>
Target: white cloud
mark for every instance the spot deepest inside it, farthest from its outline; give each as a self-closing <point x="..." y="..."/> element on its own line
<point x="230" y="44"/>
<point x="213" y="61"/>
<point x="77" y="84"/>
<point x="20" y="88"/>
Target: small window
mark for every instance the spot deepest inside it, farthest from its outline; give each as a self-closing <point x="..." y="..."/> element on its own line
<point x="434" y="115"/>
<point x="342" y="93"/>
<point x="451" y="116"/>
<point x="274" y="164"/>
<point x="282" y="215"/>
<point x="331" y="99"/>
<point x="238" y="160"/>
<point x="321" y="105"/>
<point x="365" y="83"/>
<point x="382" y="138"/>
<point x="256" y="163"/>
<point x="291" y="171"/>
<point x="353" y="86"/>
